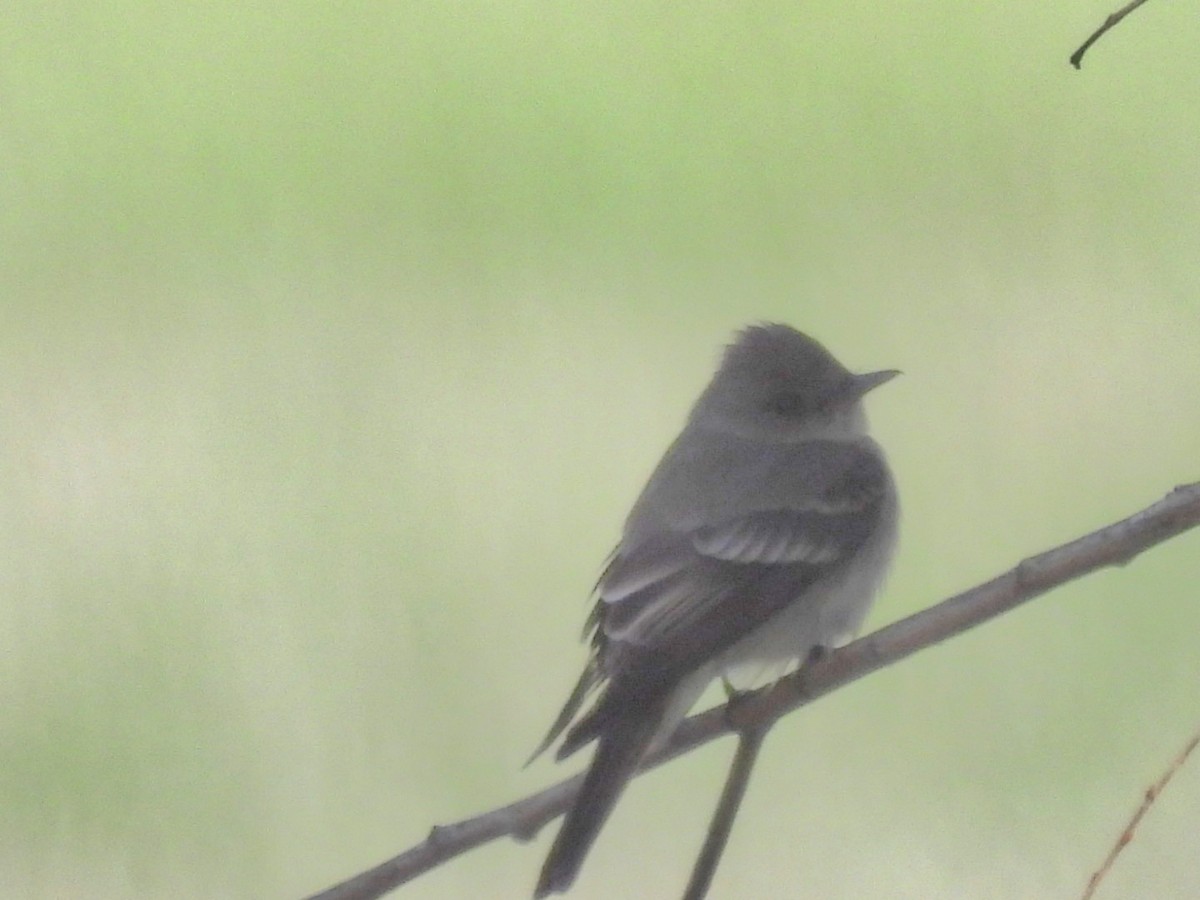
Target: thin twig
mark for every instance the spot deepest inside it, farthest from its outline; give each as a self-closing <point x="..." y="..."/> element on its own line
<point x="1110" y="22"/>
<point x="1117" y="544"/>
<point x="749" y="743"/>
<point x="1147" y="801"/>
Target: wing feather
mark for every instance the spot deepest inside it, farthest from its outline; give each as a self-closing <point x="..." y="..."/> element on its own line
<point x="679" y="591"/>
<point x="682" y="596"/>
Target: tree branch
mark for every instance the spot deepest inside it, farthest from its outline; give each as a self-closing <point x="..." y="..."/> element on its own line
<point x="1110" y="22"/>
<point x="749" y="743"/>
<point x="1117" y="544"/>
<point x="1148" y="799"/>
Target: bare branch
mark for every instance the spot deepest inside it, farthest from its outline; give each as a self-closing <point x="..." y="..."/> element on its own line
<point x="1116" y="544"/>
<point x="1110" y="22"/>
<point x="1151" y="795"/>
<point x="749" y="743"/>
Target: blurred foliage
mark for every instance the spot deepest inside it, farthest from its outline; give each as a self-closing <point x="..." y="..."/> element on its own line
<point x="335" y="341"/>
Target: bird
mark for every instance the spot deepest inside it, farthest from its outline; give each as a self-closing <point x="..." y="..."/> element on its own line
<point x="761" y="537"/>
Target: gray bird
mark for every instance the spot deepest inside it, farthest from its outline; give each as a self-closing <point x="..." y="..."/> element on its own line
<point x="763" y="534"/>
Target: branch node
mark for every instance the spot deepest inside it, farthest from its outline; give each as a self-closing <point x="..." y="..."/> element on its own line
<point x="1024" y="573"/>
<point x="739" y="710"/>
<point x="524" y="830"/>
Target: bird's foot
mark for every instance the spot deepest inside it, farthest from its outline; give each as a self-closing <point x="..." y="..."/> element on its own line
<point x="815" y="654"/>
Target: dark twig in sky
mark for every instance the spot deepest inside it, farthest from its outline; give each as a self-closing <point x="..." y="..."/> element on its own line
<point x="1110" y="22"/>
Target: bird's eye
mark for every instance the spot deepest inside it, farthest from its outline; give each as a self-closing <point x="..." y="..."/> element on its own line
<point x="788" y="404"/>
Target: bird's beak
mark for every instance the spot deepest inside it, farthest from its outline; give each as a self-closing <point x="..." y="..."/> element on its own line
<point x="871" y="380"/>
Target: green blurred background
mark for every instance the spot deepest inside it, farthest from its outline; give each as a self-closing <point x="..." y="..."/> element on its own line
<point x="336" y="340"/>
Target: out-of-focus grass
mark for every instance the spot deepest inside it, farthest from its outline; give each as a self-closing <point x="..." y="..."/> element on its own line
<point x="336" y="341"/>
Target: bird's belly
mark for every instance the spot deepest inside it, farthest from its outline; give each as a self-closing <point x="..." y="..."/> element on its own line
<point x="828" y="614"/>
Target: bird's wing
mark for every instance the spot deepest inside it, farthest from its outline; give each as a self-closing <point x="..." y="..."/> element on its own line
<point x="672" y="598"/>
<point x="677" y="598"/>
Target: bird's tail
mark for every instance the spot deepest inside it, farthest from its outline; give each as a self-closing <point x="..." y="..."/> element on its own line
<point x="623" y="743"/>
